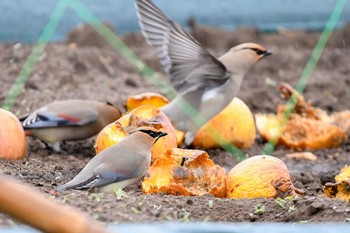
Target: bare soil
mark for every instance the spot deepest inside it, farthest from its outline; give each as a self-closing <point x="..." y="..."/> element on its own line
<point x="65" y="72"/>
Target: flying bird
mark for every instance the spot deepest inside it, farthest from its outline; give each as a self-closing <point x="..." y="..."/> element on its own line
<point x="68" y="120"/>
<point x="119" y="165"/>
<point x="208" y="84"/>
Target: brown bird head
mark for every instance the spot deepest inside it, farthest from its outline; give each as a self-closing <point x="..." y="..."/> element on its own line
<point x="239" y="59"/>
<point x="150" y="132"/>
<point x="252" y="50"/>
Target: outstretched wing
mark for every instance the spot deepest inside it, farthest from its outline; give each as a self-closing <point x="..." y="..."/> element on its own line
<point x="187" y="63"/>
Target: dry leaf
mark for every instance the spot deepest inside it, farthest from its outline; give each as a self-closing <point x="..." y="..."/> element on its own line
<point x="302" y="155"/>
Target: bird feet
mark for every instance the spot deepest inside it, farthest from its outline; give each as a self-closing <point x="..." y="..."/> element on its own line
<point x="189" y="137"/>
<point x="55" y="147"/>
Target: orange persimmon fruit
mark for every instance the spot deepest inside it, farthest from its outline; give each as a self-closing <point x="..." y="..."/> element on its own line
<point x="260" y="176"/>
<point x="145" y="115"/>
<point x="307" y="127"/>
<point x="148" y="98"/>
<point x="12" y="136"/>
<point x="235" y="124"/>
<point x="154" y="99"/>
<point x="185" y="172"/>
<point x="299" y="132"/>
<point x="341" y="188"/>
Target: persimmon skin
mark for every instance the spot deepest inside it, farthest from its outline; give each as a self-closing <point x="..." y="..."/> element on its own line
<point x="12" y="137"/>
<point x="185" y="172"/>
<point x="235" y="123"/>
<point x="147" y="98"/>
<point x="260" y="176"/>
<point x="145" y="115"/>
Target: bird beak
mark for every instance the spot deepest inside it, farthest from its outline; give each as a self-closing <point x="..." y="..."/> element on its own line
<point x="266" y="53"/>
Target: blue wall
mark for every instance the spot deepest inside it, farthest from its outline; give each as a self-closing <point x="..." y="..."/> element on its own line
<point x="23" y="20"/>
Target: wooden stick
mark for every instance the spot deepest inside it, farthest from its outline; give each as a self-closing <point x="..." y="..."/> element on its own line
<point x="33" y="208"/>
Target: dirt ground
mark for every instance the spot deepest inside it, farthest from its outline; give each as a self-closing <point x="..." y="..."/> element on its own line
<point x="93" y="70"/>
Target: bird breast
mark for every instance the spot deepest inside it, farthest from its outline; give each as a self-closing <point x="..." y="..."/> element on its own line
<point x="215" y="100"/>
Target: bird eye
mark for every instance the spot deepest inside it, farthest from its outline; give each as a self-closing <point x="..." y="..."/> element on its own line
<point x="258" y="51"/>
<point x="150" y="133"/>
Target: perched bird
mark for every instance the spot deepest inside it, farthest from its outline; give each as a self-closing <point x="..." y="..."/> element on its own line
<point x="205" y="82"/>
<point x="119" y="165"/>
<point x="69" y="120"/>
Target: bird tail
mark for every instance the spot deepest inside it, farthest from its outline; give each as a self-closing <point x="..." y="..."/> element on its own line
<point x="22" y="118"/>
<point x="61" y="188"/>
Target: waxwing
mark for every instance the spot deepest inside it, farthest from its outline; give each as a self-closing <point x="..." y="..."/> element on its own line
<point x="205" y="85"/>
<point x="69" y="120"/>
<point x="119" y="165"/>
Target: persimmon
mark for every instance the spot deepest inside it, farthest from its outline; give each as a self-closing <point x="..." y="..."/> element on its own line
<point x="145" y="115"/>
<point x="299" y="132"/>
<point x="235" y="123"/>
<point x="148" y="98"/>
<point x="341" y="188"/>
<point x="307" y="127"/>
<point x="260" y="176"/>
<point x="154" y="99"/>
<point x="185" y="172"/>
<point x="12" y="136"/>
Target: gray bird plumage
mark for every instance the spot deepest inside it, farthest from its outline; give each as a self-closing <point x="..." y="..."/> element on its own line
<point x="207" y="83"/>
<point x="119" y="165"/>
<point x="69" y="120"/>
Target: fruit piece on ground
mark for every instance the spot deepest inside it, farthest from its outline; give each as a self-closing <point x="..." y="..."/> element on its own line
<point x="308" y="127"/>
<point x="146" y="115"/>
<point x="342" y="120"/>
<point x="148" y="98"/>
<point x="235" y="123"/>
<point x="302" y="155"/>
<point x="154" y="99"/>
<point x="341" y="188"/>
<point x="12" y="136"/>
<point x="185" y="172"/>
<point x="260" y="176"/>
<point x="299" y="132"/>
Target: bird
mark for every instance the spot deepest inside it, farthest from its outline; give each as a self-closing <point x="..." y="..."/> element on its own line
<point x="119" y="165"/>
<point x="68" y="120"/>
<point x="203" y="82"/>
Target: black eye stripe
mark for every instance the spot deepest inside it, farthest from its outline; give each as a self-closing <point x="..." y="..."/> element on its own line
<point x="150" y="133"/>
<point x="258" y="51"/>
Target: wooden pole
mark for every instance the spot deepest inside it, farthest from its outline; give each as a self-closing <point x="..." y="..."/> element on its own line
<point x="33" y="208"/>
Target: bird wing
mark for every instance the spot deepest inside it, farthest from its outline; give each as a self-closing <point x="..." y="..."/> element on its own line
<point x="46" y="118"/>
<point x="98" y="180"/>
<point x="189" y="66"/>
<point x="103" y="175"/>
